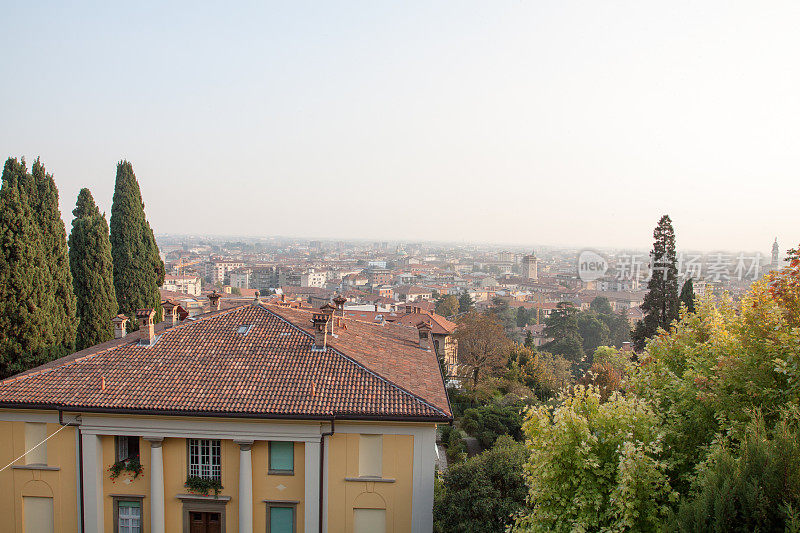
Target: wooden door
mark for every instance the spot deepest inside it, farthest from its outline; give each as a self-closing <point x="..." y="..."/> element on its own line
<point x="205" y="522"/>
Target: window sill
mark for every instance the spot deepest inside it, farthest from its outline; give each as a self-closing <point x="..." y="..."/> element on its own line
<point x="203" y="497"/>
<point x="366" y="479"/>
<point x="36" y="467"/>
<point x="280" y="472"/>
<point x="281" y="502"/>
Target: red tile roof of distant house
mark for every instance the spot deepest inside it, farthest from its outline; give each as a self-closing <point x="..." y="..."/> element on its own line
<point x="254" y="360"/>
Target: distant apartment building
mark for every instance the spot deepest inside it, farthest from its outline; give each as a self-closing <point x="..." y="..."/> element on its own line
<point x="218" y="270"/>
<point x="530" y="267"/>
<point x="267" y="277"/>
<point x="379" y="276"/>
<point x="410" y="293"/>
<point x="183" y="284"/>
<point x="240" y="278"/>
<point x="313" y="279"/>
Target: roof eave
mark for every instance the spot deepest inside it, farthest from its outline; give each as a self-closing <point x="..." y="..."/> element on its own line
<point x="227" y="414"/>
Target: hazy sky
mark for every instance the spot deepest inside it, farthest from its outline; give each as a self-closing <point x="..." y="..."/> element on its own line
<point x="574" y="123"/>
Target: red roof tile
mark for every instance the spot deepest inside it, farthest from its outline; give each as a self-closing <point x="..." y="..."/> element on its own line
<point x="206" y="367"/>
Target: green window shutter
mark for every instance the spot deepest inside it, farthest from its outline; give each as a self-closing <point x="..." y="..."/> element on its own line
<point x="281" y="520"/>
<point x="281" y="455"/>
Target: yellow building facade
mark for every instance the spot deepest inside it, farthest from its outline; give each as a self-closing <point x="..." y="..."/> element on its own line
<point x="374" y="477"/>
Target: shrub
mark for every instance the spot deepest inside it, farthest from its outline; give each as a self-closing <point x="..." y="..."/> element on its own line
<point x="594" y="466"/>
<point x="488" y="422"/>
<point x="481" y="494"/>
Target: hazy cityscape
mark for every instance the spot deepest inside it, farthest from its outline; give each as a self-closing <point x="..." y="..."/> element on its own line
<point x="400" y="267"/>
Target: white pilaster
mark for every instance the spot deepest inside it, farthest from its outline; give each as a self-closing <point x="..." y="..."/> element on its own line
<point x="156" y="485"/>
<point x="92" y="484"/>
<point x="311" y="497"/>
<point x="423" y="472"/>
<point x="245" y="486"/>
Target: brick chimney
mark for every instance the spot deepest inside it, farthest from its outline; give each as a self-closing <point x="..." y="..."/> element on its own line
<point x="328" y="310"/>
<point x="339" y="302"/>
<point x="146" y="325"/>
<point x="424" y="330"/>
<point x="320" y="323"/>
<point x="214" y="299"/>
<point x="170" y="313"/>
<point x="119" y="321"/>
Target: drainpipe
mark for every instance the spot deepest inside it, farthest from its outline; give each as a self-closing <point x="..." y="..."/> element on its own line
<point x="322" y="466"/>
<point x="79" y="450"/>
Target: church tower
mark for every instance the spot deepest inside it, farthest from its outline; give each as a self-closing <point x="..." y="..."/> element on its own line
<point x="775" y="253"/>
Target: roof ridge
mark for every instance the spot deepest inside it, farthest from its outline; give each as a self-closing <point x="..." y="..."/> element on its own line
<point x="358" y="364"/>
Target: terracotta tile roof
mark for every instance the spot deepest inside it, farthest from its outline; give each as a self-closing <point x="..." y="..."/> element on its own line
<point x="206" y="367"/>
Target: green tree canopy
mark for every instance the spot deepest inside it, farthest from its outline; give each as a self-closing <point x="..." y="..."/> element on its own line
<point x="92" y="272"/>
<point x="447" y="305"/>
<point x="660" y="304"/>
<point x="138" y="269"/>
<point x="60" y="297"/>
<point x="26" y="335"/>
<point x="481" y="494"/>
<point x="687" y="295"/>
<point x="465" y="303"/>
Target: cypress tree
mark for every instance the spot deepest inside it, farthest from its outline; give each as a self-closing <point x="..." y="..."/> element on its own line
<point x="61" y="298"/>
<point x="92" y="273"/>
<point x="687" y="295"/>
<point x="660" y="305"/>
<point x="138" y="269"/>
<point x="26" y="335"/>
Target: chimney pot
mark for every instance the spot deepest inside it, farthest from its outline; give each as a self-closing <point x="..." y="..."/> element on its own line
<point x="339" y="301"/>
<point x="327" y="310"/>
<point x="170" y="313"/>
<point x="214" y="299"/>
<point x="424" y="330"/>
<point x="320" y="323"/>
<point x="256" y="301"/>
<point x="146" y="325"/>
<point x="119" y="322"/>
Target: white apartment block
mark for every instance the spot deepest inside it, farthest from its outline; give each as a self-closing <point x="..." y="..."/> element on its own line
<point x="185" y="284"/>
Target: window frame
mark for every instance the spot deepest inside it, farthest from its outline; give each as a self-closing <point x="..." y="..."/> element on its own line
<point x="282" y="504"/>
<point x="278" y="471"/>
<point x="117" y="440"/>
<point x="200" y="465"/>
<point x="135" y="499"/>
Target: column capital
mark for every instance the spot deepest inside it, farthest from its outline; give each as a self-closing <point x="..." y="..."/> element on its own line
<point x="244" y="445"/>
<point x="155" y="442"/>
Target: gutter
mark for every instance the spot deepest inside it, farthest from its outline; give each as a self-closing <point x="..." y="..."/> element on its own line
<point x="79" y="453"/>
<point x="223" y="414"/>
<point x="322" y="468"/>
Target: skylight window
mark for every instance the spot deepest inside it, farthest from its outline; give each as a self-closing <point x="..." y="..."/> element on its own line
<point x="242" y="330"/>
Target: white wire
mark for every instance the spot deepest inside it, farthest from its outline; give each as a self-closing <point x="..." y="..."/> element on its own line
<point x="29" y="451"/>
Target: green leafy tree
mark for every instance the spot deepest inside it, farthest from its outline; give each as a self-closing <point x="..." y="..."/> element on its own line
<point x="601" y="306"/>
<point x="488" y="422"/>
<point x="465" y="303"/>
<point x="594" y="466"/>
<point x="753" y="488"/>
<point x="447" y="305"/>
<point x="660" y="304"/>
<point x="58" y="278"/>
<point x="687" y="295"/>
<point x="593" y="331"/>
<point x="138" y="269"/>
<point x="528" y="339"/>
<point x="26" y="336"/>
<point x="92" y="272"/>
<point x="481" y="494"/>
<point x="562" y="327"/>
<point x="546" y="375"/>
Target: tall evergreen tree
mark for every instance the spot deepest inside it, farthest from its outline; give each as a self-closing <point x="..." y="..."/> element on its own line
<point x="92" y="272"/>
<point x="687" y="295"/>
<point x="61" y="299"/>
<point x="26" y="335"/>
<point x="660" y="305"/>
<point x="138" y="269"/>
